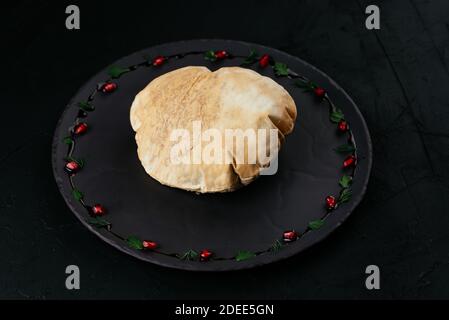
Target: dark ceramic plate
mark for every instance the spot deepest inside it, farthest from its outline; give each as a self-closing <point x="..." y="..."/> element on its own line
<point x="242" y="229"/>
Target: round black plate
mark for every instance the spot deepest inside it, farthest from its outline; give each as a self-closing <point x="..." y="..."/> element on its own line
<point x="250" y="220"/>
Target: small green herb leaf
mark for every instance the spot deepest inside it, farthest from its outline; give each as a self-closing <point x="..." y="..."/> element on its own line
<point x="276" y="246"/>
<point x="306" y="85"/>
<point x="134" y="243"/>
<point x="78" y="195"/>
<point x="249" y="60"/>
<point x="302" y="84"/>
<point x="68" y="140"/>
<point x="99" y="222"/>
<point x="345" y="181"/>
<point x="210" y="55"/>
<point x="345" y="195"/>
<point x="316" y="224"/>
<point x="116" y="72"/>
<point x="345" y="148"/>
<point x="280" y="69"/>
<point x="189" y="255"/>
<point x="336" y="116"/>
<point x="244" y="255"/>
<point x="86" y="106"/>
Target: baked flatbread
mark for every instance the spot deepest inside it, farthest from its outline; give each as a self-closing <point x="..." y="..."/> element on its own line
<point x="229" y="98"/>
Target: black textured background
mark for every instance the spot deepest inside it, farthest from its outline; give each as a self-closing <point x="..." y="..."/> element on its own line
<point x="398" y="76"/>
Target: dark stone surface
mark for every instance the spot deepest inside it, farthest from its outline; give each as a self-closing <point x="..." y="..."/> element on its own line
<point x="398" y="76"/>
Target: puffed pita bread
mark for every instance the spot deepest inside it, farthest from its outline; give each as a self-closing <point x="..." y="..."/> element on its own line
<point x="229" y="98"/>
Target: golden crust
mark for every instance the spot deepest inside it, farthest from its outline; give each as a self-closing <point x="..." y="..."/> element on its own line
<point x="229" y="98"/>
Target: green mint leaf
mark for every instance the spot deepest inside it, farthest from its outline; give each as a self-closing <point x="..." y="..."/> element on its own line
<point x="98" y="222"/>
<point x="345" y="181"/>
<point x="280" y="69"/>
<point x="68" y="140"/>
<point x="78" y="195"/>
<point x="134" y="243"/>
<point x="307" y="86"/>
<point x="313" y="85"/>
<point x="345" y="195"/>
<point x="116" y="72"/>
<point x="81" y="163"/>
<point x="189" y="255"/>
<point x="345" y="148"/>
<point x="86" y="106"/>
<point x="244" y="255"/>
<point x="249" y="60"/>
<point x="336" y="116"/>
<point x="276" y="246"/>
<point x="316" y="224"/>
<point x="210" y="55"/>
